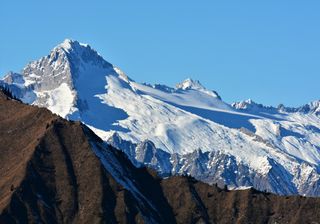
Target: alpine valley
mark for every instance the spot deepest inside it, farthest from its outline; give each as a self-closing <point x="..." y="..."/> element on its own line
<point x="181" y="130"/>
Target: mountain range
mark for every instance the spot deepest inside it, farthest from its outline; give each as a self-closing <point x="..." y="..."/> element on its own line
<point x="58" y="171"/>
<point x="181" y="130"/>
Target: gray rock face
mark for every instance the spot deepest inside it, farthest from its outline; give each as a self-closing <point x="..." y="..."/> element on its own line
<point x="213" y="168"/>
<point x="43" y="75"/>
<point x="41" y="81"/>
<point x="144" y="153"/>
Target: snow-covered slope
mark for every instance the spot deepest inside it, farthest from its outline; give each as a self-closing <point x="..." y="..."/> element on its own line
<point x="183" y="130"/>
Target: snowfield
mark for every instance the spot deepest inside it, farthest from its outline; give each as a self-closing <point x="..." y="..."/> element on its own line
<point x="186" y="129"/>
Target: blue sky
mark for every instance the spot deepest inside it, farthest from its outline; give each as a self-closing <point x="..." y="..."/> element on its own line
<point x="265" y="50"/>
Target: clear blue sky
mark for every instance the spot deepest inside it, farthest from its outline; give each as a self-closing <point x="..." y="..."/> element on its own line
<point x="265" y="50"/>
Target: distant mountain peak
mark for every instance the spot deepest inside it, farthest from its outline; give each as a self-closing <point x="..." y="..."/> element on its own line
<point x="312" y="107"/>
<point x="190" y="84"/>
<point x="245" y="104"/>
<point x="252" y="106"/>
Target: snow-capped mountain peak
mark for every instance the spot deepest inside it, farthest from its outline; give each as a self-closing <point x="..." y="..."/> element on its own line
<point x="253" y="107"/>
<point x="71" y="45"/>
<point x="68" y="44"/>
<point x="244" y="145"/>
<point x="190" y="84"/>
<point x="60" y="80"/>
<point x="80" y="53"/>
<point x="242" y="105"/>
<point x="312" y="107"/>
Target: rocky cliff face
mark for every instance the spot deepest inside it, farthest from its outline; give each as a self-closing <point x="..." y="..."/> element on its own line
<point x="214" y="168"/>
<point x="56" y="171"/>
